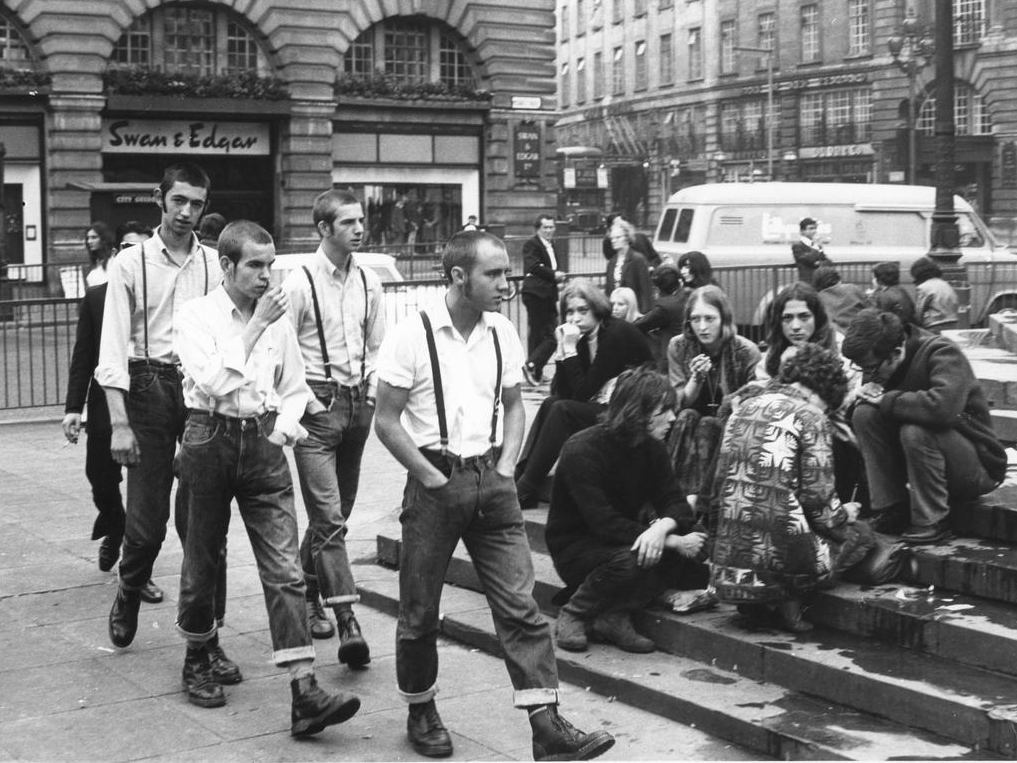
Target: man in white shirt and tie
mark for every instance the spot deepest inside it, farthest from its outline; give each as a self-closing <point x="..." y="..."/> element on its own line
<point x="245" y="393"/>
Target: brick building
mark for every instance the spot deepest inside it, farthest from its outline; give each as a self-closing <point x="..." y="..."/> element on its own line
<point x="430" y="110"/>
<point x="656" y="95"/>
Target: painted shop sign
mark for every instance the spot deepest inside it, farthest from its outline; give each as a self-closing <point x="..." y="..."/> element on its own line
<point x="527" y="150"/>
<point x="835" y="152"/>
<point x="133" y="136"/>
<point x="810" y="83"/>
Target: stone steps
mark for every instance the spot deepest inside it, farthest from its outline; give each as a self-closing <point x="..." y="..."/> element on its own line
<point x="775" y="721"/>
<point x="904" y="686"/>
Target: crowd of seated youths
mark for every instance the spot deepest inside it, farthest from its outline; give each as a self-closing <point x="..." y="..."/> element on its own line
<point x="790" y="464"/>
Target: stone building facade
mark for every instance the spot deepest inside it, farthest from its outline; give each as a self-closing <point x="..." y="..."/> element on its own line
<point x="431" y="110"/>
<point x="656" y="95"/>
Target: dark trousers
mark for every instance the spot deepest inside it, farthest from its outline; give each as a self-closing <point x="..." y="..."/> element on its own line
<point x="542" y="318"/>
<point x="156" y="412"/>
<point x="940" y="464"/>
<point x="605" y="578"/>
<point x="479" y="506"/>
<point x="556" y="421"/>
<point x="104" y="475"/>
<point x="328" y="464"/>
<point x="226" y="458"/>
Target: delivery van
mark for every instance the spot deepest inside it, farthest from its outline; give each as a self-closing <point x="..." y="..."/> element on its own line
<point x="746" y="231"/>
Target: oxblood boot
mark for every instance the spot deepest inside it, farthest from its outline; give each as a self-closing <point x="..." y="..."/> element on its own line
<point x="554" y="738"/>
<point x="313" y="708"/>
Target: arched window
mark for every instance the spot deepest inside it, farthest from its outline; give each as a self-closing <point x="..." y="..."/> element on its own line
<point x="969" y="113"/>
<point x="14" y="51"/>
<point x="191" y="38"/>
<point x="412" y="51"/>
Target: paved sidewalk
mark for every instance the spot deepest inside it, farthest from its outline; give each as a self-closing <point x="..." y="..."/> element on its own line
<point x="67" y="694"/>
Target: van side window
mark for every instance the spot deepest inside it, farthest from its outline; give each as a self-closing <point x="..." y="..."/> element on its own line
<point x="681" y="231"/>
<point x="666" y="225"/>
<point x="970" y="237"/>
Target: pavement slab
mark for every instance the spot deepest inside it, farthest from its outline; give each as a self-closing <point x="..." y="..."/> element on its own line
<point x="68" y="694"/>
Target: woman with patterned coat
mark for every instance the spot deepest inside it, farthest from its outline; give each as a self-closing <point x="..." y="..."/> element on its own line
<point x="775" y="519"/>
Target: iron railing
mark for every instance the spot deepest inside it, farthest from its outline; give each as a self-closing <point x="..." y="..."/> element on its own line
<point x="37" y="335"/>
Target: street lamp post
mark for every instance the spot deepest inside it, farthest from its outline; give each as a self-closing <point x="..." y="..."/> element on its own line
<point x="769" y="103"/>
<point x="911" y="51"/>
<point x="945" y="249"/>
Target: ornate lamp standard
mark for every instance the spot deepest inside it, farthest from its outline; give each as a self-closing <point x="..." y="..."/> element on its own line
<point x="912" y="51"/>
<point x="945" y="249"/>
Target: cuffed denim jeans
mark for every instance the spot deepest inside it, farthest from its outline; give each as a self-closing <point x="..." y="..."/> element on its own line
<point x="479" y="506"/>
<point x="328" y="465"/>
<point x="940" y="464"/>
<point x="226" y="458"/>
<point x="155" y="410"/>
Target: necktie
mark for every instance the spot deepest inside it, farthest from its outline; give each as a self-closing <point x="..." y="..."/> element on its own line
<point x="583" y="350"/>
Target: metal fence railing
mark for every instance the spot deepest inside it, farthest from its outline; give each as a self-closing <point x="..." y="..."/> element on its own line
<point x="37" y="335"/>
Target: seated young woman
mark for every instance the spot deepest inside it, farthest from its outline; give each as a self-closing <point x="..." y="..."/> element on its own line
<point x="707" y="362"/>
<point x="797" y="316"/>
<point x="619" y="531"/>
<point x="777" y="528"/>
<point x="593" y="349"/>
<point x="667" y="316"/>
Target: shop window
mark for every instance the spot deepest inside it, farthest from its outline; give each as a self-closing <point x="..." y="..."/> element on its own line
<point x="970" y="115"/>
<point x="191" y="39"/>
<point x="411" y="51"/>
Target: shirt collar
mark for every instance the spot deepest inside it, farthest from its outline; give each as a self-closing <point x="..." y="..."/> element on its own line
<point x="442" y="318"/>
<point x="160" y="245"/>
<point x="223" y="302"/>
<point x="332" y="270"/>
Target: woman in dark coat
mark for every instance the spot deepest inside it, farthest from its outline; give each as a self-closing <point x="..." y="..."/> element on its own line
<point x="628" y="267"/>
<point x="666" y="318"/>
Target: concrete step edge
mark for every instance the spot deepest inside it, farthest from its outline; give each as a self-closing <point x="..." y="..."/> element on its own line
<point x="776" y="722"/>
<point x="918" y="690"/>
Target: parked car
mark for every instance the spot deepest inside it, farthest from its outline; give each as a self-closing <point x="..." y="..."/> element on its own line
<point x="745" y="229"/>
<point x="402" y="297"/>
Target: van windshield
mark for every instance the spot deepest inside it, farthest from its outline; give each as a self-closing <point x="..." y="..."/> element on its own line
<point x="837" y="225"/>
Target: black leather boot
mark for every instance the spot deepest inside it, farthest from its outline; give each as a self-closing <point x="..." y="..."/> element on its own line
<point x="554" y="738"/>
<point x="353" y="649"/>
<point x="123" y="617"/>
<point x="427" y="733"/>
<point x="202" y="689"/>
<point x="313" y="708"/>
<point x="224" y="670"/>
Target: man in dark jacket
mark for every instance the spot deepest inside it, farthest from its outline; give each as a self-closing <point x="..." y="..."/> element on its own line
<point x="616" y="513"/>
<point x="104" y="474"/>
<point x="921" y="420"/>
<point x="544" y="266"/>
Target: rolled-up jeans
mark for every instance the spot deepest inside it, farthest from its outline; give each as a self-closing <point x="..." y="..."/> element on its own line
<point x="227" y="458"/>
<point x="480" y="506"/>
<point x="328" y="465"/>
<point x="155" y="411"/>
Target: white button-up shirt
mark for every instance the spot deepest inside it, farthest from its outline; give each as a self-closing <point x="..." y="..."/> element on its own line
<point x="341" y="297"/>
<point x="148" y="268"/>
<point x="468" y="368"/>
<point x="219" y="376"/>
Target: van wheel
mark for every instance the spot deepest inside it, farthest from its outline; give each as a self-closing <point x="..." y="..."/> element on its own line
<point x="1002" y="302"/>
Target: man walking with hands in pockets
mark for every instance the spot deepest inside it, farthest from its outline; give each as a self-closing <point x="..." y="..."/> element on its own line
<point x="245" y="393"/>
<point x="450" y="410"/>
